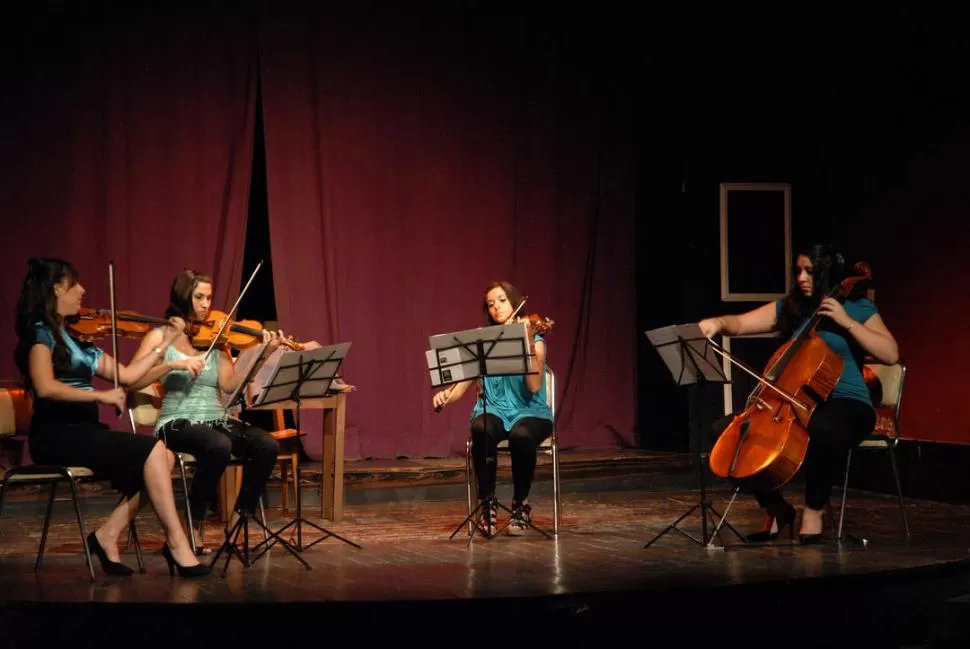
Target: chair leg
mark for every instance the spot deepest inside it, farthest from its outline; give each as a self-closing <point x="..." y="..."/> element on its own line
<point x="133" y="535"/>
<point x="47" y="525"/>
<point x="899" y="489"/>
<point x="469" y="470"/>
<point x="845" y="495"/>
<point x="262" y="519"/>
<point x="188" y="509"/>
<point x="284" y="488"/>
<point x="3" y="494"/>
<point x="80" y="523"/>
<point x="556" y="493"/>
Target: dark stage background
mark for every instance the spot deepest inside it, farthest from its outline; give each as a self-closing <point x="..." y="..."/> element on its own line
<point x="387" y="161"/>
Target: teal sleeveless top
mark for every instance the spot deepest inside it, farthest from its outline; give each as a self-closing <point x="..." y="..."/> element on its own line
<point x="198" y="400"/>
<point x="852" y="385"/>
<point x="509" y="399"/>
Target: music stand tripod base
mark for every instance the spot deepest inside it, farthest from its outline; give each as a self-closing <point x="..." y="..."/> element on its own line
<point x="688" y="356"/>
<point x="242" y="526"/>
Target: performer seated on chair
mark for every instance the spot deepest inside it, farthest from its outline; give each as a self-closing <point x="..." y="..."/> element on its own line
<point x="193" y="417"/>
<point x="65" y="428"/>
<point x="843" y="420"/>
<point x="515" y="410"/>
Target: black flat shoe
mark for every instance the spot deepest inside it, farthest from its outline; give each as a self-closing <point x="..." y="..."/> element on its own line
<point x="809" y="539"/>
<point x="110" y="567"/>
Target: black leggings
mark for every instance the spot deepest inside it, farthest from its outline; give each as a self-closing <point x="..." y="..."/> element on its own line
<point x="212" y="443"/>
<point x="524" y="440"/>
<point x="836" y="426"/>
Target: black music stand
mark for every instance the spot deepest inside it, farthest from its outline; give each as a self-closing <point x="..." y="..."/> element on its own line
<point x="298" y="376"/>
<point x="242" y="525"/>
<point x="475" y="354"/>
<point x="687" y="353"/>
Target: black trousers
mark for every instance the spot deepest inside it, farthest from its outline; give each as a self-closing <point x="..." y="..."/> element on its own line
<point x="836" y="426"/>
<point x="212" y="443"/>
<point x="524" y="440"/>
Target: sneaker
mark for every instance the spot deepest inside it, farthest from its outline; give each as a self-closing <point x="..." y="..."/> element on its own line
<point x="521" y="519"/>
<point x="488" y="518"/>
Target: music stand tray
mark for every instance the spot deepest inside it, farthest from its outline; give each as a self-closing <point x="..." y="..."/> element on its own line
<point x="688" y="355"/>
<point x="498" y="350"/>
<point x="298" y="376"/>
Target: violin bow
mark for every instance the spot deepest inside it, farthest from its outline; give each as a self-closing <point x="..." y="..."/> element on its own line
<point x="519" y="308"/>
<point x="232" y="311"/>
<point x="114" y="325"/>
<point x="768" y="384"/>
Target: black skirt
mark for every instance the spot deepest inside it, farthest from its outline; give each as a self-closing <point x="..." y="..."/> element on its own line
<point x="71" y="434"/>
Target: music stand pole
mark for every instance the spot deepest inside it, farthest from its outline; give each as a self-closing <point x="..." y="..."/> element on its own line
<point x="306" y="370"/>
<point x="686" y="371"/>
<point x="242" y="524"/>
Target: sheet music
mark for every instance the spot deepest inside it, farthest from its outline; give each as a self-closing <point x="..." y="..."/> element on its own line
<point x="281" y="367"/>
<point x="452" y="357"/>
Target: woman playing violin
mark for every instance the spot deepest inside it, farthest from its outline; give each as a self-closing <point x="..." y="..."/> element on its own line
<point x="843" y="420"/>
<point x="516" y="411"/>
<point x="65" y="428"/>
<point x="193" y="417"/>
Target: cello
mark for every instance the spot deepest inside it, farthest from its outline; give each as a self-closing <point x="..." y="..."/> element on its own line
<point x="764" y="446"/>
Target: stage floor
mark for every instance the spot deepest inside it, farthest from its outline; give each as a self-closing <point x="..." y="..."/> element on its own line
<point x="596" y="572"/>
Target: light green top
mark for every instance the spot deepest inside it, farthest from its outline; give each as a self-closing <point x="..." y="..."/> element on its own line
<point x="196" y="399"/>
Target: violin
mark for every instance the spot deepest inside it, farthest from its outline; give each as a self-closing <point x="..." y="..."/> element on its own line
<point x="237" y="334"/>
<point x="764" y="446"/>
<point x="90" y="324"/>
<point x="540" y="325"/>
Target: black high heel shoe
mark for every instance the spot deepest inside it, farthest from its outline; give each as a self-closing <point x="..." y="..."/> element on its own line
<point x="199" y="570"/>
<point x="787" y="519"/>
<point x="110" y="567"/>
<point x="809" y="539"/>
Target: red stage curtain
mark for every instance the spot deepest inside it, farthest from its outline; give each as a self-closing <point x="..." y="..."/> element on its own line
<point x="411" y="160"/>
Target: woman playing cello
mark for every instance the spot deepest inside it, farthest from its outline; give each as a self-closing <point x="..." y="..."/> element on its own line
<point x="846" y="417"/>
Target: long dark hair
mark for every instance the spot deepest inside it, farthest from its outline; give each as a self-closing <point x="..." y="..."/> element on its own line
<point x="514" y="295"/>
<point x="828" y="269"/>
<point x="180" y="295"/>
<point x="38" y="303"/>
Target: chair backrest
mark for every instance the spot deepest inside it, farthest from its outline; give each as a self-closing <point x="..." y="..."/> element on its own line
<point x="551" y="402"/>
<point x="887" y="395"/>
<point x="15" y="411"/>
<point x="144" y="404"/>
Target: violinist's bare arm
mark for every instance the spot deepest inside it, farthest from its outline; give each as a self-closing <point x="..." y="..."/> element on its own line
<point x="143" y="366"/>
<point x="153" y="345"/>
<point x="46" y="385"/>
<point x="229" y="377"/>
<point x="757" y="321"/>
<point x="451" y="394"/>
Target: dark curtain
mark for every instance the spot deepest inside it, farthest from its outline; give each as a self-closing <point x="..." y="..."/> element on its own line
<point x="127" y="136"/>
<point x="414" y="156"/>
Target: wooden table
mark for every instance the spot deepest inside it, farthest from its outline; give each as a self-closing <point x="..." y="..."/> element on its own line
<point x="332" y="474"/>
